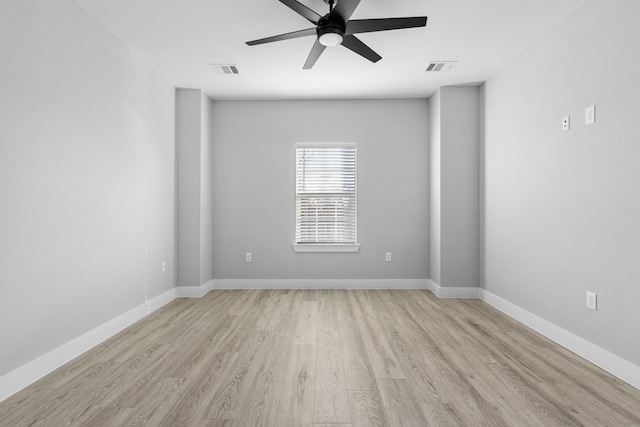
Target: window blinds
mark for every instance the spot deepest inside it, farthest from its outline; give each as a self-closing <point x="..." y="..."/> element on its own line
<point x="326" y="194"/>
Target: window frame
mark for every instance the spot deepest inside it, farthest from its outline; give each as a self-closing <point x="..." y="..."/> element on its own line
<point x="325" y="247"/>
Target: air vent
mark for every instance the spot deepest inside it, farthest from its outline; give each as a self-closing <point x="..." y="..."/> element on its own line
<point x="225" y="68"/>
<point x="441" y="65"/>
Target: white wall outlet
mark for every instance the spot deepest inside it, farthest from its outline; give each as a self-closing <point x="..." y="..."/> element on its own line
<point x="592" y="301"/>
<point x="164" y="266"/>
<point x="247" y="257"/>
<point x="387" y="257"/>
<point x="566" y="123"/>
<point x="590" y="115"/>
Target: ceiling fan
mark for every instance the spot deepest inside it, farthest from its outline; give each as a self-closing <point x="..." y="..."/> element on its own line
<point x="336" y="28"/>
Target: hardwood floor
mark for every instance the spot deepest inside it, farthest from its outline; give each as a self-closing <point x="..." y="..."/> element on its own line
<point x="325" y="358"/>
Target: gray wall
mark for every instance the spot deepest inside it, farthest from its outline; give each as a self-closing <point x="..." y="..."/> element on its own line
<point x="254" y="177"/>
<point x="454" y="176"/>
<point x="189" y="168"/>
<point x="195" y="178"/>
<point x="206" y="189"/>
<point x="459" y="193"/>
<point x="562" y="209"/>
<point x="86" y="178"/>
<point x="434" y="184"/>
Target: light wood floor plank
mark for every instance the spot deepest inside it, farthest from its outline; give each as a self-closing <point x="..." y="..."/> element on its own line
<point x="331" y="404"/>
<point x="223" y="401"/>
<point x="155" y="406"/>
<point x="191" y="408"/>
<point x="258" y="403"/>
<point x="513" y="402"/>
<point x="307" y="321"/>
<point x="297" y="396"/>
<point x="219" y="423"/>
<point x="400" y="404"/>
<point x="422" y="380"/>
<point x="358" y="370"/>
<point x="381" y="356"/>
<point x="441" y="414"/>
<point x="319" y="358"/>
<point x="367" y="409"/>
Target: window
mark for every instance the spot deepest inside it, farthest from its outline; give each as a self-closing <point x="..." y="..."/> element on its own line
<point x="326" y="204"/>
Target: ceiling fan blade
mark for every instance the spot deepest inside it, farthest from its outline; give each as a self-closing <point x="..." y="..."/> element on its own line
<point x="353" y="43"/>
<point x="287" y="36"/>
<point x="315" y="53"/>
<point x="303" y="10"/>
<point x="370" y="25"/>
<point x="345" y="8"/>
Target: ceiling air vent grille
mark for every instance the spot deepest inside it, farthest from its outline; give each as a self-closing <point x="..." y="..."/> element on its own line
<point x="441" y="65"/>
<point x="225" y="68"/>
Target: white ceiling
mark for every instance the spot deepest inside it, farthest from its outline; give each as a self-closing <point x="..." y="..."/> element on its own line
<point x="181" y="38"/>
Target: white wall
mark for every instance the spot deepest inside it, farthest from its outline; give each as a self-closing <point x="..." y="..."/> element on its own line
<point x="562" y="209"/>
<point x="254" y="187"/>
<point x="86" y="178"/>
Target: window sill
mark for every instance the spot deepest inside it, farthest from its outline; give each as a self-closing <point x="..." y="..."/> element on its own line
<point x="326" y="248"/>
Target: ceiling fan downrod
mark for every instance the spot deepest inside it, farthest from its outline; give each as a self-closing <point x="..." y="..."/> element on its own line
<point x="331" y="3"/>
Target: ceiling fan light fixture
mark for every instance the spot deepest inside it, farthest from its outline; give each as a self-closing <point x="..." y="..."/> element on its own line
<point x="330" y="39"/>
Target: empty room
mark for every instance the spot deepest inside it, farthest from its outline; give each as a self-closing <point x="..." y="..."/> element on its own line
<point x="319" y="213"/>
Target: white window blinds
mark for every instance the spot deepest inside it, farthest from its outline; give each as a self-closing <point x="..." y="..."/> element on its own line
<point x="326" y="211"/>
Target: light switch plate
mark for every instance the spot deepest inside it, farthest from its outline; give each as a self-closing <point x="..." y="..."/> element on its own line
<point x="565" y="123"/>
<point x="590" y="115"/>
<point x="592" y="301"/>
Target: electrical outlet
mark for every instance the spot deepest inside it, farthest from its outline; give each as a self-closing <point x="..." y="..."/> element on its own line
<point x="247" y="257"/>
<point x="590" y="115"/>
<point x="164" y="266"/>
<point x="566" y="123"/>
<point x="592" y="301"/>
<point x="387" y="257"/>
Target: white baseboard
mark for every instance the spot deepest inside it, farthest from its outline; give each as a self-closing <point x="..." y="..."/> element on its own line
<point x="27" y="374"/>
<point x="161" y="300"/>
<point x="194" y="291"/>
<point x="320" y="284"/>
<point x="445" y="292"/>
<point x="606" y="360"/>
